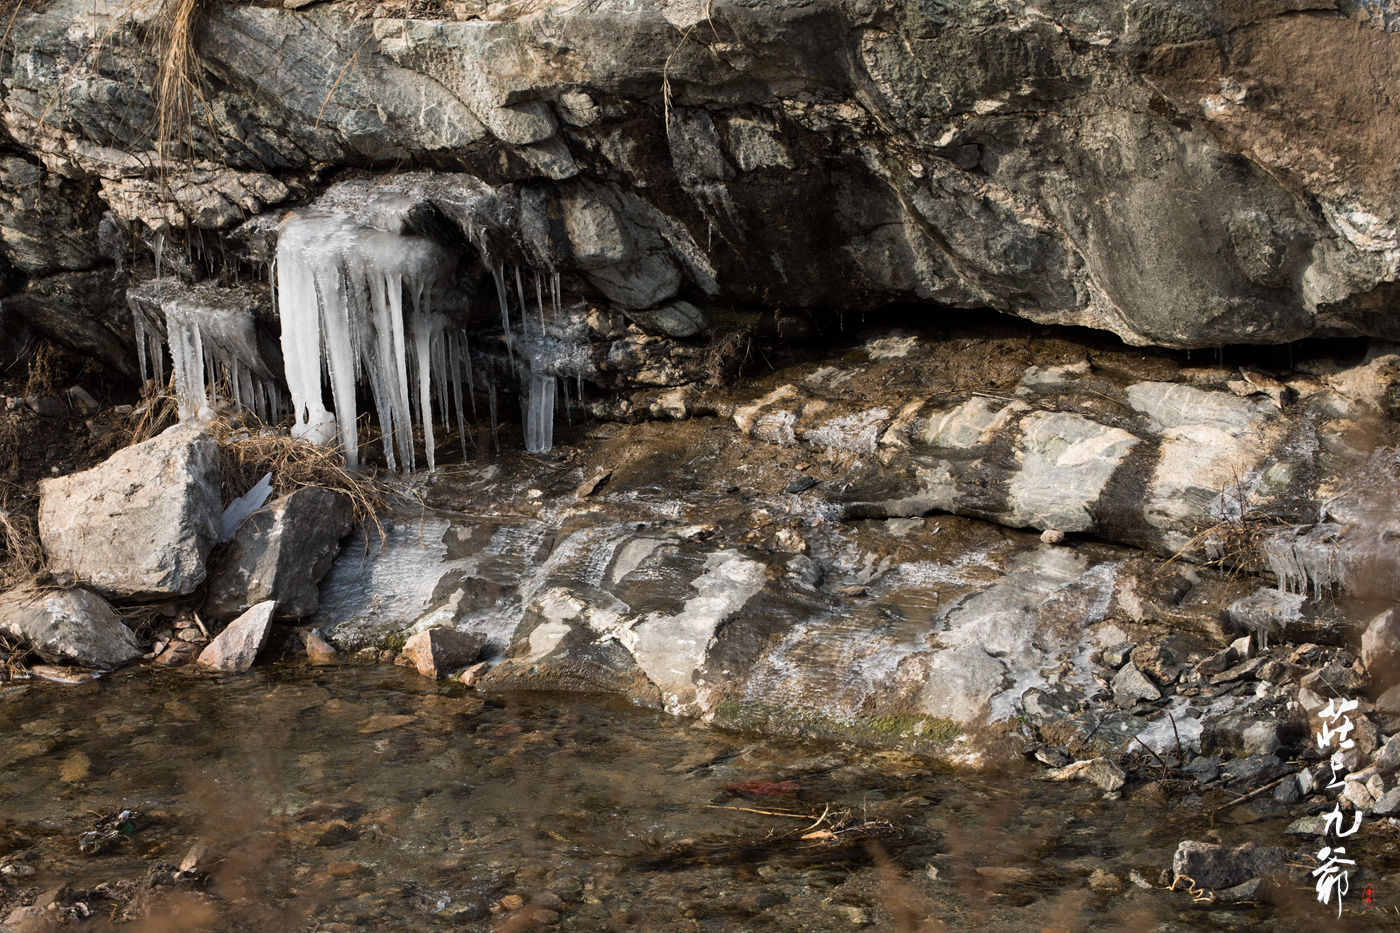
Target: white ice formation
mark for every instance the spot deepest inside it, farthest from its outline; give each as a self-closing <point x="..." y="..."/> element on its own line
<point x="364" y="305"/>
<point x="1307" y="558"/>
<point x="359" y="303"/>
<point x="213" y="344"/>
<point x="243" y="506"/>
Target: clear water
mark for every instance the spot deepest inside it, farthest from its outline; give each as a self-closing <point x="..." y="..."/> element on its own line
<point x="373" y="799"/>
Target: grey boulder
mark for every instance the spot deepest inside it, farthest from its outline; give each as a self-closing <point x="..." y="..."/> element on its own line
<point x="1100" y="771"/>
<point x="436" y="652"/>
<point x="280" y="553"/>
<point x="140" y="524"/>
<point x="1380" y="648"/>
<point x="1131" y="685"/>
<point x="236" y="647"/>
<point x="68" y="627"/>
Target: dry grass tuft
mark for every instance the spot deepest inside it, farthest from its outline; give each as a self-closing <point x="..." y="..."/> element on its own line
<point x="14" y="658"/>
<point x="248" y="449"/>
<point x="21" y="553"/>
<point x="177" y="82"/>
<point x="247" y="453"/>
<point x="42" y="366"/>
<point x="159" y="411"/>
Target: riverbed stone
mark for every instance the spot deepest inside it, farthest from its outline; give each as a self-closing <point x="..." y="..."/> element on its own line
<point x="68" y="627"/>
<point x="280" y="553"/>
<point x="1130" y="685"/>
<point x="1101" y="772"/>
<point x="318" y="651"/>
<point x="1216" y="867"/>
<point x="438" y="651"/>
<point x="1388" y="804"/>
<point x="236" y="648"/>
<point x="140" y="524"/>
<point x="674" y="319"/>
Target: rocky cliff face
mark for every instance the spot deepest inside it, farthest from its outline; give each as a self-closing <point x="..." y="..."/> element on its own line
<point x="1186" y="173"/>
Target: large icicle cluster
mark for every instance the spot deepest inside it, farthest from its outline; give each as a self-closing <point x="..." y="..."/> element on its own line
<point x="341" y="290"/>
<point x="545" y="350"/>
<point x="213" y="344"/>
<point x="358" y="305"/>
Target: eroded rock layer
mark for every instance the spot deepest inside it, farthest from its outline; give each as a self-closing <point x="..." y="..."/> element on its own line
<point x="1186" y="174"/>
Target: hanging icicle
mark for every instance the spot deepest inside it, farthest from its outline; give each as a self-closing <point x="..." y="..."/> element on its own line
<point x="341" y="290"/>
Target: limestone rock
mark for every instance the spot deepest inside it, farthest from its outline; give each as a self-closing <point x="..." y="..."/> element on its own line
<point x="1388" y="804"/>
<point x="68" y="626"/>
<point x="1156" y="662"/>
<point x="1131" y="685"/>
<point x="1108" y="212"/>
<point x="139" y="525"/>
<point x="236" y="647"/>
<point x="281" y="553"/>
<point x="676" y="319"/>
<point x="318" y="651"/>
<point x="1216" y="867"/>
<point x="436" y="652"/>
<point x="1387" y="759"/>
<point x="1389" y="702"/>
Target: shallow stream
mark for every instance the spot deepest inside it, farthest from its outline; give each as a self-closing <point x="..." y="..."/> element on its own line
<point x="370" y="798"/>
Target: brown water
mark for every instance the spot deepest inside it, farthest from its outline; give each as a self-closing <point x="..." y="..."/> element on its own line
<point x="373" y="799"/>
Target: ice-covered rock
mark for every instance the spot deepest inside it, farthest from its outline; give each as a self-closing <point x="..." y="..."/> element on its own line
<point x="140" y="524"/>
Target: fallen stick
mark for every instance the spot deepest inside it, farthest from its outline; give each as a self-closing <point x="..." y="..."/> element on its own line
<point x="1252" y="794"/>
<point x="791" y="816"/>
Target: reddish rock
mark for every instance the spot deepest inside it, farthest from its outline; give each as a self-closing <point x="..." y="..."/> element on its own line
<point x="237" y="646"/>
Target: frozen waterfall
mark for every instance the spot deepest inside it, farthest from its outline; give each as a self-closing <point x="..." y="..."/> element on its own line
<point x="362" y="308"/>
